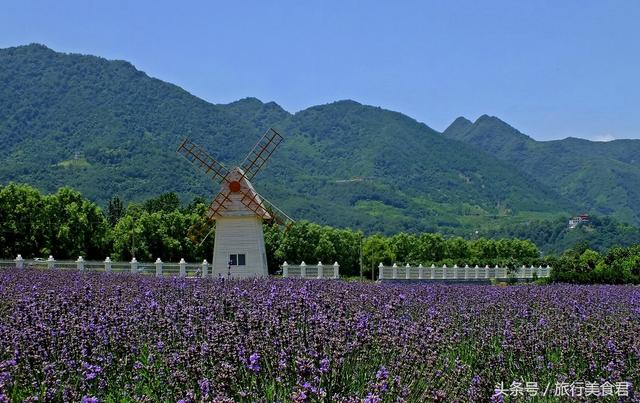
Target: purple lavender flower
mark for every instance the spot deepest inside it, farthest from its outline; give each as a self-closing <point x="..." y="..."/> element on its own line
<point x="372" y="398"/>
<point x="382" y="374"/>
<point x="209" y="340"/>
<point x="254" y="362"/>
<point x="324" y="365"/>
<point x="204" y="386"/>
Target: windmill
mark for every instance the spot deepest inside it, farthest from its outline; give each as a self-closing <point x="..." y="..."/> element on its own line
<point x="237" y="209"/>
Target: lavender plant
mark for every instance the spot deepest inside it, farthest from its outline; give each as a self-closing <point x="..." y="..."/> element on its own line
<point x="68" y="336"/>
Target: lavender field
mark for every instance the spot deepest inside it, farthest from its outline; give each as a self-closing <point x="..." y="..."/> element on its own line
<point x="98" y="337"/>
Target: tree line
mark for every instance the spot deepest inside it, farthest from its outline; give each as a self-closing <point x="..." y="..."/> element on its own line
<point x="581" y="264"/>
<point x="67" y="225"/>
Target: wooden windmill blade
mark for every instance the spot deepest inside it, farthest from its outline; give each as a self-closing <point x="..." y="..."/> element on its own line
<point x="217" y="204"/>
<point x="254" y="203"/>
<point x="260" y="153"/>
<point x="201" y="159"/>
<point x="276" y="213"/>
<point x="199" y="231"/>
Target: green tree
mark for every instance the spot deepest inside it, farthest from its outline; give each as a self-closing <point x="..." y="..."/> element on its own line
<point x="24" y="222"/>
<point x="115" y="210"/>
<point x="161" y="234"/>
<point x="325" y="251"/>
<point x="430" y="249"/>
<point x="403" y="247"/>
<point x="166" y="202"/>
<point x="376" y="250"/>
<point x="273" y="234"/>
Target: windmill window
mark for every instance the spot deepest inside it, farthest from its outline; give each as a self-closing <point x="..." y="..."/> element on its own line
<point x="237" y="259"/>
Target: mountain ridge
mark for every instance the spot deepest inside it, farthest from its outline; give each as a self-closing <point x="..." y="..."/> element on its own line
<point x="602" y="177"/>
<point x="126" y="125"/>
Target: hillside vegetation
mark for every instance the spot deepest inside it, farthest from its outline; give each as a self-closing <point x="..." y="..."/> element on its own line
<point x="126" y="127"/>
<point x="600" y="177"/>
<point x="67" y="225"/>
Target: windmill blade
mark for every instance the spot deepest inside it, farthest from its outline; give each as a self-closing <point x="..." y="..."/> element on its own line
<point x="217" y="204"/>
<point x="277" y="214"/>
<point x="254" y="203"/>
<point x="201" y="159"/>
<point x="200" y="230"/>
<point x="260" y="153"/>
<point x="279" y="219"/>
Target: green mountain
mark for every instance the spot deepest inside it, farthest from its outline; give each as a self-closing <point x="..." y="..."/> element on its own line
<point x="554" y="237"/>
<point x="599" y="177"/>
<point x="106" y="128"/>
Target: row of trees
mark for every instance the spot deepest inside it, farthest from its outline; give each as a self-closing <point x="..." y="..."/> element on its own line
<point x="63" y="224"/>
<point x="67" y="225"/>
<point x="618" y="265"/>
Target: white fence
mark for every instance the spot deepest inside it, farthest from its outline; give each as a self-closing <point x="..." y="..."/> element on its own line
<point x="318" y="271"/>
<point x="467" y="273"/>
<point x="157" y="268"/>
<point x="160" y="268"/>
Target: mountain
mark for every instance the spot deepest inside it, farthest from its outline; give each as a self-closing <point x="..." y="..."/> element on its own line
<point x="555" y="237"/>
<point x="106" y="128"/>
<point x="600" y="177"/>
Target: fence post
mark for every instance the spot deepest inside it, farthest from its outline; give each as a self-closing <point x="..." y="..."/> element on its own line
<point x="432" y="271"/>
<point x="51" y="262"/>
<point x="476" y="272"/>
<point x="19" y="262"/>
<point x="205" y="268"/>
<point x="303" y="269"/>
<point x="80" y="263"/>
<point x="381" y="270"/>
<point x="336" y="270"/>
<point x="107" y="264"/>
<point x="420" y="272"/>
<point x="394" y="274"/>
<point x="444" y="271"/>
<point x="285" y="269"/>
<point x="320" y="269"/>
<point x="158" y="267"/>
<point x="183" y="267"/>
<point x="134" y="265"/>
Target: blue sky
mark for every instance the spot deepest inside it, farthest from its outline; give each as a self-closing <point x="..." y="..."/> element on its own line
<point x="552" y="69"/>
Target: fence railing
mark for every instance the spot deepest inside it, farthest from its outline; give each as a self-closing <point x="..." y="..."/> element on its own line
<point x="433" y="272"/>
<point x="157" y="268"/>
<point x="160" y="268"/>
<point x="318" y="271"/>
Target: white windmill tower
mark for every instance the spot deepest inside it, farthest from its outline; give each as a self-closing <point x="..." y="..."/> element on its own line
<point x="238" y="209"/>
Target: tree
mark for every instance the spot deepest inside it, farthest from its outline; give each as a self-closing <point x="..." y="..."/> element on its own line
<point x="24" y="222"/>
<point x="457" y="250"/>
<point x="299" y="243"/>
<point x="166" y="202"/>
<point x="273" y="235"/>
<point x="403" y="246"/>
<point x="77" y="227"/>
<point x="161" y="234"/>
<point x="325" y="251"/>
<point x="430" y="249"/>
<point x="376" y="250"/>
<point x="347" y="245"/>
<point x="115" y="211"/>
